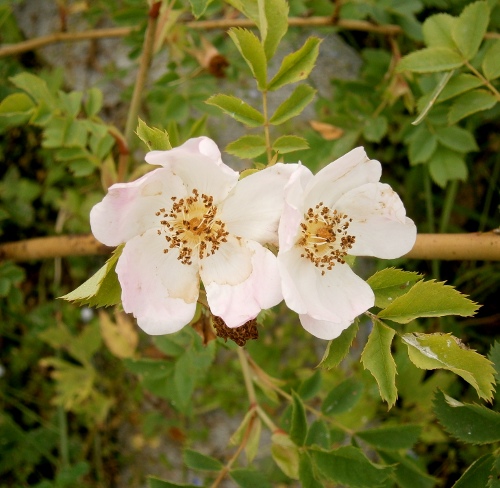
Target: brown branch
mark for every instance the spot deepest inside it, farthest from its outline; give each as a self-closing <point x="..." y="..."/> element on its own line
<point x="475" y="246"/>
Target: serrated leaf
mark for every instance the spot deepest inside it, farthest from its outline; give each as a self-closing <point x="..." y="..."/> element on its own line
<point x="343" y="397"/>
<point x="296" y="66"/>
<point x="311" y="386"/>
<point x="93" y="102"/>
<point x="285" y="454"/>
<point x="456" y="138"/>
<point x="155" y="139"/>
<point x="407" y="471"/>
<point x="300" y="98"/>
<point x="428" y="299"/>
<point x="390" y="283"/>
<point x="237" y="109"/>
<point x="477" y="474"/>
<point x="470" y="27"/>
<point x="247" y="147"/>
<point x="306" y="472"/>
<point x="319" y="435"/>
<point x="392" y="437"/>
<point x="422" y="146"/>
<point x="253" y="53"/>
<point x="447" y="165"/>
<point x="197" y="460"/>
<point x="471" y="423"/>
<point x="436" y="30"/>
<point x="430" y="60"/>
<point x="70" y="102"/>
<point x="288" y="144"/>
<point x="158" y="483"/>
<point x="491" y="61"/>
<point x="377" y="358"/>
<point x="35" y="87"/>
<point x="198" y="7"/>
<point x="337" y="349"/>
<point x="249" y="478"/>
<point x="444" y="351"/>
<point x="102" y="289"/>
<point x="469" y="103"/>
<point x="494" y="357"/>
<point x="273" y="23"/>
<point x="298" y="425"/>
<point x="459" y="84"/>
<point x="348" y="465"/>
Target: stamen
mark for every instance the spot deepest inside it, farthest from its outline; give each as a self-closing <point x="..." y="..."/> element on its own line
<point x="324" y="238"/>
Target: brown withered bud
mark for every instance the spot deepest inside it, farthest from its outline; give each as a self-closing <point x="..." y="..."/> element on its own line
<point x="204" y="329"/>
<point x="211" y="59"/>
<point x="240" y="335"/>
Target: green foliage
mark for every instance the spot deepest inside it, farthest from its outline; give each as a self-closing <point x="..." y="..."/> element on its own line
<point x="237" y="109"/>
<point x="154" y="138"/>
<point x="338" y="348"/>
<point x="343" y="397"/>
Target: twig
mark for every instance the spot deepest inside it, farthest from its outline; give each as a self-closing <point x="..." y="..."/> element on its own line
<point x="474" y="246"/>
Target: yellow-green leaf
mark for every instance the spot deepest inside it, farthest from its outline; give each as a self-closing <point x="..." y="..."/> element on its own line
<point x="390" y="283"/>
<point x="237" y="109"/>
<point x="301" y="97"/>
<point x="470" y="27"/>
<point x="431" y="59"/>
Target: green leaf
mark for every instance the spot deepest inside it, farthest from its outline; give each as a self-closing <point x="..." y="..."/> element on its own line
<point x="285" y="454"/>
<point x="70" y="102"/>
<point x="348" y="465"/>
<point x="470" y="27"/>
<point x="407" y="472"/>
<point x="477" y="474"/>
<point x="253" y="439"/>
<point x="298" y="425"/>
<point x="155" y="139"/>
<point x="391" y="283"/>
<point x="249" y="478"/>
<point x="16" y="103"/>
<point x="237" y="109"/>
<point x="337" y="349"/>
<point x="444" y="351"/>
<point x="422" y="146"/>
<point x="158" y="483"/>
<point x="491" y="61"/>
<point x="311" y="386"/>
<point x="76" y="134"/>
<point x="306" y="472"/>
<point x="470" y="103"/>
<point x="93" y="102"/>
<point x="428" y="299"/>
<point x="198" y="7"/>
<point x="319" y="435"/>
<point x="253" y="53"/>
<point x="296" y="66"/>
<point x="343" y="397"/>
<point x="456" y="138"/>
<point x="494" y="357"/>
<point x="197" y="460"/>
<point x="375" y="128"/>
<point x="34" y="86"/>
<point x="459" y="84"/>
<point x="288" y="144"/>
<point x="430" y="60"/>
<point x="436" y="30"/>
<point x="377" y="358"/>
<point x="301" y="97"/>
<point x="102" y="289"/>
<point x="273" y="23"/>
<point x="447" y="165"/>
<point x="392" y="437"/>
<point x="471" y="423"/>
<point x="247" y="147"/>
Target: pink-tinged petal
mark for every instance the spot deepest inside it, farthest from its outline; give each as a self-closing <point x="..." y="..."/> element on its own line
<point x="379" y="221"/>
<point x="231" y="264"/>
<point x="197" y="162"/>
<point x="157" y="288"/>
<point x="129" y="209"/>
<point x="337" y="296"/>
<point x="293" y="210"/>
<point x="350" y="171"/>
<point x="253" y="208"/>
<point x="261" y="290"/>
<point x="323" y="329"/>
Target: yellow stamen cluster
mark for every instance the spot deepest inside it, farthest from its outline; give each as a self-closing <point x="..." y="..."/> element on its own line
<point x="192" y="227"/>
<point x="324" y="238"/>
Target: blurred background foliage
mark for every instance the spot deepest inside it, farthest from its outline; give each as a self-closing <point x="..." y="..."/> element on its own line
<point x="89" y="400"/>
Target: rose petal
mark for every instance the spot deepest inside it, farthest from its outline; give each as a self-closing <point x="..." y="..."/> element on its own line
<point x="379" y="221"/>
<point x="231" y="264"/>
<point x="350" y="171"/>
<point x="197" y="162"/>
<point x="261" y="290"/>
<point x="323" y="329"/>
<point x="253" y="208"/>
<point x="157" y="288"/>
<point x="129" y="209"/>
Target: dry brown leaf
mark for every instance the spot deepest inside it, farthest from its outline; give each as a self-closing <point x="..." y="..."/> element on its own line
<point x="121" y="338"/>
<point x="328" y="132"/>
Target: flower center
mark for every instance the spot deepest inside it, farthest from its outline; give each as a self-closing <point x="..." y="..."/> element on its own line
<point x="324" y="238"/>
<point x="191" y="226"/>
